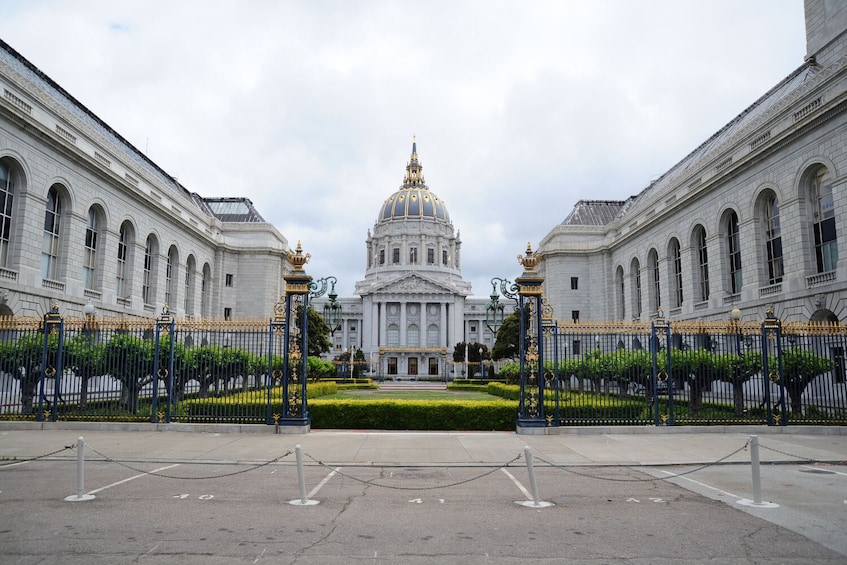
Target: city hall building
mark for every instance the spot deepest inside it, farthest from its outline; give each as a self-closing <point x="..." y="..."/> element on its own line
<point x="750" y="219"/>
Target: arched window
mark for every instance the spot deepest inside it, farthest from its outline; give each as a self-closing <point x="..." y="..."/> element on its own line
<point x="635" y="276"/>
<point x="773" y="240"/>
<point x="7" y="197"/>
<point x="123" y="270"/>
<point x="89" y="260"/>
<point x="675" y="258"/>
<point x="188" y="295"/>
<point x="655" y="289"/>
<point x="413" y="336"/>
<point x="823" y="223"/>
<point x="148" y="285"/>
<point x="733" y="241"/>
<point x="621" y="293"/>
<point x="393" y="335"/>
<point x="432" y="336"/>
<point x="171" y="278"/>
<point x="702" y="264"/>
<point x="51" y="242"/>
<point x="205" y="290"/>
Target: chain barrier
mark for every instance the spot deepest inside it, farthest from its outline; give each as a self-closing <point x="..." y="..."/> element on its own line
<point x="5" y="462"/>
<point x="647" y="480"/>
<point x="801" y="459"/>
<point x="371" y="482"/>
<point x="164" y="476"/>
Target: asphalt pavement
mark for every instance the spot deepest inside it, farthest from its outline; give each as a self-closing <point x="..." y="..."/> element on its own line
<point x="229" y="494"/>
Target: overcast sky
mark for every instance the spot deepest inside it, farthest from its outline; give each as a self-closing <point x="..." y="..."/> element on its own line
<point x="308" y="108"/>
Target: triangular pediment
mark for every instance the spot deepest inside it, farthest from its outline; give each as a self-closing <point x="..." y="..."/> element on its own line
<point x="413" y="284"/>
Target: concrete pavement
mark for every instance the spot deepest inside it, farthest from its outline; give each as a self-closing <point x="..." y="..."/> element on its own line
<point x="221" y="494"/>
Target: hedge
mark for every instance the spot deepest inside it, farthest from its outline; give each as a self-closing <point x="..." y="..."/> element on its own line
<point x="387" y="414"/>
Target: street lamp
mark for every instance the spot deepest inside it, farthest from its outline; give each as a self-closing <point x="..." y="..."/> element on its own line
<point x="494" y="312"/>
<point x="480" y="362"/>
<point x="332" y="309"/>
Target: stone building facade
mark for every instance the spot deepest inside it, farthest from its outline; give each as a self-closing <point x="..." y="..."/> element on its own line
<point x="86" y="217"/>
<point x="751" y="219"/>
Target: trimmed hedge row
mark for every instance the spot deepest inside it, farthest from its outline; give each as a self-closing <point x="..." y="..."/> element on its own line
<point x="387" y="414"/>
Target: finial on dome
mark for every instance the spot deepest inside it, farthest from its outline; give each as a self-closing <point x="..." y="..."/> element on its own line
<point x="414" y="171"/>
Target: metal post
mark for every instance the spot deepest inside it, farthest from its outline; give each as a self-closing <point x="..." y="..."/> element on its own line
<point x="301" y="481"/>
<point x="757" y="481"/>
<point x="535" y="502"/>
<point x="80" y="474"/>
<point x="531" y="470"/>
<point x="754" y="461"/>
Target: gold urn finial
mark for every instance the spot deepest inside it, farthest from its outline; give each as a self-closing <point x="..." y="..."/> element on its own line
<point x="530" y="260"/>
<point x="297" y="259"/>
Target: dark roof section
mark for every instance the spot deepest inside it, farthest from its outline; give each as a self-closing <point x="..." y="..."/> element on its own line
<point x="234" y="209"/>
<point x="86" y="115"/>
<point x="594" y="212"/>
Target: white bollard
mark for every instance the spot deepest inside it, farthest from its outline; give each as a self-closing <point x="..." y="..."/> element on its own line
<point x="757" y="479"/>
<point x="301" y="481"/>
<point x="80" y="474"/>
<point x="534" y="503"/>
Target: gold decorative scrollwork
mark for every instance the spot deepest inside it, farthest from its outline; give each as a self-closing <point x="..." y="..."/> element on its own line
<point x="774" y="377"/>
<point x="50" y="372"/>
<point x="162" y="372"/>
<point x="662" y="376"/>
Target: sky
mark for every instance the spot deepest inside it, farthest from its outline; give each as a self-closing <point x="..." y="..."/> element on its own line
<point x="309" y="108"/>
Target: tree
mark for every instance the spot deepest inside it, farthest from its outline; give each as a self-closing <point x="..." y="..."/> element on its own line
<point x="507" y="342"/>
<point x="318" y="334"/>
<point x="129" y="359"/>
<point x="84" y="356"/>
<point x="800" y="367"/>
<point x="22" y="358"/>
<point x="473" y="349"/>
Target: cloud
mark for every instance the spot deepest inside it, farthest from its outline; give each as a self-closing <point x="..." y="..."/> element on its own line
<point x="309" y="108"/>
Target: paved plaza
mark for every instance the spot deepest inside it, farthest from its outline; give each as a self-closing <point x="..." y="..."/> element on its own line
<point x="227" y="494"/>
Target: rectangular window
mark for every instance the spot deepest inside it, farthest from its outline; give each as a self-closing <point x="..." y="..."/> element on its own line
<point x="413" y="365"/>
<point x="227" y="313"/>
<point x="577" y="347"/>
<point x="430" y="256"/>
<point x="433" y="366"/>
<point x="228" y="280"/>
<point x="703" y="258"/>
<point x="574" y="283"/>
<point x="392" y="365"/>
<point x="473" y="328"/>
<point x="395" y="256"/>
<point x="413" y="256"/>
<point x="443" y="256"/>
<point x="575" y="315"/>
<point x="774" y="242"/>
<point x="382" y="256"/>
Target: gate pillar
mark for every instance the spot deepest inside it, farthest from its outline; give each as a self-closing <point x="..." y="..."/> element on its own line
<point x="531" y="415"/>
<point x="295" y="410"/>
<point x="772" y="369"/>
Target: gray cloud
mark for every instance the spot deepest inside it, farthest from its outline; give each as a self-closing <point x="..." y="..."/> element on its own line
<point x="308" y="108"/>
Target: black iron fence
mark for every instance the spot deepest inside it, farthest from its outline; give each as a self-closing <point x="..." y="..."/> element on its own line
<point x="166" y="370"/>
<point x="695" y="373"/>
<point x="155" y="370"/>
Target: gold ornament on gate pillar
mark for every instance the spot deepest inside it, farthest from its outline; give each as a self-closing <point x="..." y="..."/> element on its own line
<point x="297" y="259"/>
<point x="530" y="260"/>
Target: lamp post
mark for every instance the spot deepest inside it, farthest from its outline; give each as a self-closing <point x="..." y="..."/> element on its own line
<point x="480" y="362"/>
<point x="332" y="309"/>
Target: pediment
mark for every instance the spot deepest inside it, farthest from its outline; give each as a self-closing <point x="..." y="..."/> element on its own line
<point x="413" y="284"/>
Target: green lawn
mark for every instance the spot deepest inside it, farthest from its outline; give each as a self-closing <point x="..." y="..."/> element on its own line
<point x="409" y="395"/>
